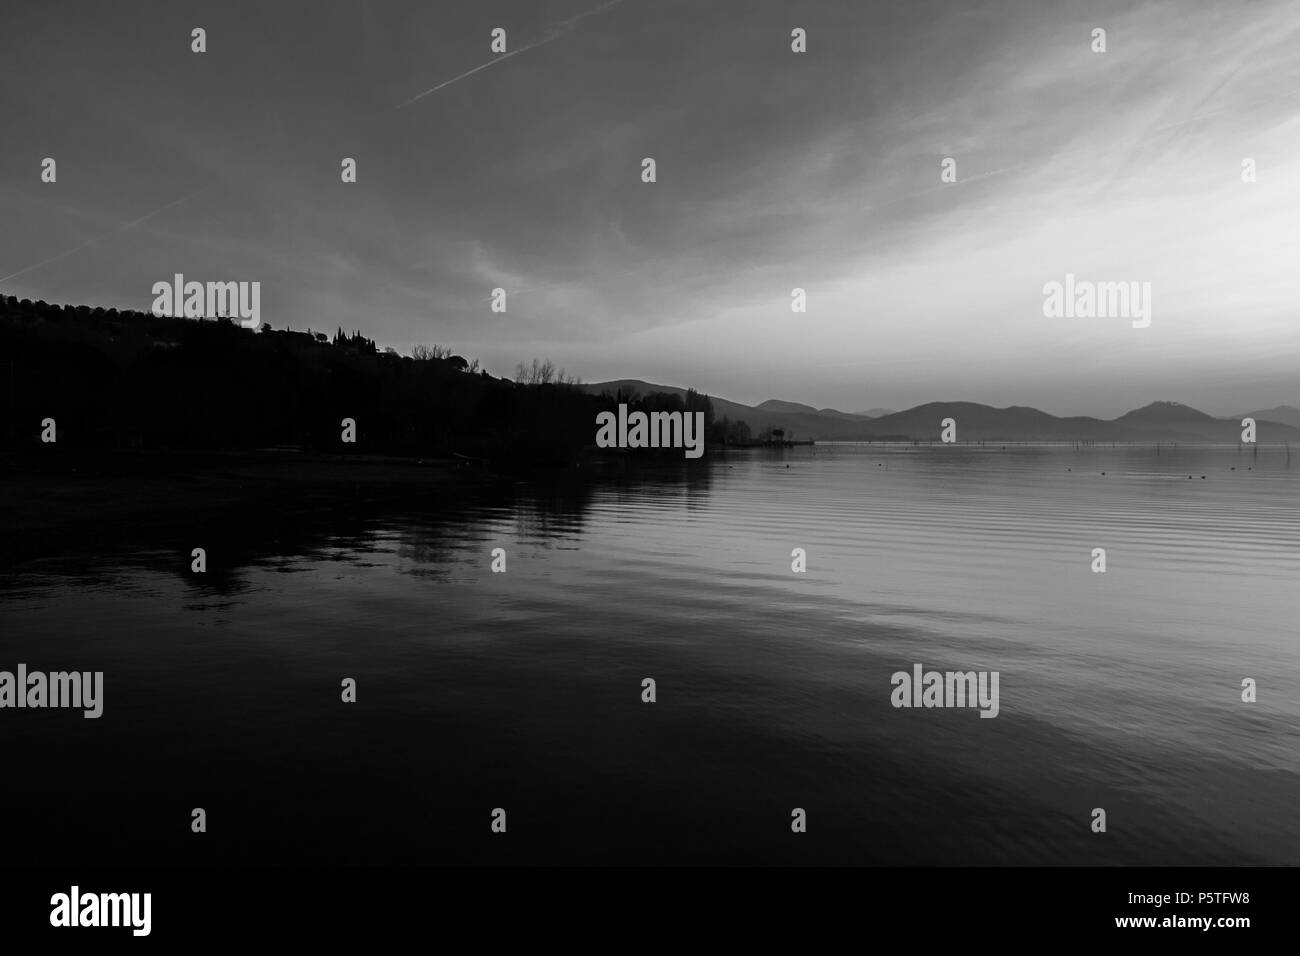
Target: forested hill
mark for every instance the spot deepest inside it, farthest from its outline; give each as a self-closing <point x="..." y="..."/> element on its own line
<point x="124" y="379"/>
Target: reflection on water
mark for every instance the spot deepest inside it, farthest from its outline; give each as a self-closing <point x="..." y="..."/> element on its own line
<point x="523" y="690"/>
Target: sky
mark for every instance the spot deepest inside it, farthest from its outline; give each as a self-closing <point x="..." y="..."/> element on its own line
<point x="775" y="170"/>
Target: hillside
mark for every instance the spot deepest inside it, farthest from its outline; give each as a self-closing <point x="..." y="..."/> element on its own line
<point x="1156" y="422"/>
<point x="133" y="380"/>
<point x="802" y="422"/>
<point x="129" y="380"/>
<point x="1283" y="414"/>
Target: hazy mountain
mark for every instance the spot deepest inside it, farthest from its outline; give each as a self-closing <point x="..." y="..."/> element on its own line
<point x="794" y="408"/>
<point x="1283" y="414"/>
<point x="876" y="412"/>
<point x="1159" y="421"/>
<point x="803" y="422"/>
<point x="1172" y="421"/>
<point x="984" y="423"/>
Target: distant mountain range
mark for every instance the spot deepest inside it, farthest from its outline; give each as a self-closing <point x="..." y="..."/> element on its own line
<point x="1159" y="421"/>
<point x="1286" y="414"/>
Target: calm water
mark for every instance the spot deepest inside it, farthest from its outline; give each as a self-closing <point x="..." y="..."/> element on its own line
<point x="523" y="690"/>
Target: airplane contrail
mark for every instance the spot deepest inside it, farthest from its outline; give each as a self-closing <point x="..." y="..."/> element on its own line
<point x="90" y="242"/>
<point x="563" y="28"/>
<point x="481" y="66"/>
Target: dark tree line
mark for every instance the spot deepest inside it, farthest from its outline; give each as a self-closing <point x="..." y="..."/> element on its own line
<point x="127" y="379"/>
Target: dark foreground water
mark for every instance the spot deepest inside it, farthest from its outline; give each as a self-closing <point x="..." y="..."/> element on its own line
<point x="522" y="690"/>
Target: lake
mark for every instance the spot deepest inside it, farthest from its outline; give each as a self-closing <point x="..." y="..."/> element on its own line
<point x="523" y="690"/>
